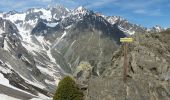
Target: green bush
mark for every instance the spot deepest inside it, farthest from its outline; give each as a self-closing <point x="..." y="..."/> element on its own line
<point x="68" y="90"/>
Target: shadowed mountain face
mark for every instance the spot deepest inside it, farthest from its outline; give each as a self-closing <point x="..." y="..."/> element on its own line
<point x="88" y="38"/>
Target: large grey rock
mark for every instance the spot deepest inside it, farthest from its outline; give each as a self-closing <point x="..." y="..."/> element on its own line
<point x="138" y="88"/>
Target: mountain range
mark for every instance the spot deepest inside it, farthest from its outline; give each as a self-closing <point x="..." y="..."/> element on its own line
<point x="41" y="45"/>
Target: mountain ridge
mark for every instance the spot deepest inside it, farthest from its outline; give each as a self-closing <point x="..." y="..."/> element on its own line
<point x="127" y="26"/>
<point x="40" y="46"/>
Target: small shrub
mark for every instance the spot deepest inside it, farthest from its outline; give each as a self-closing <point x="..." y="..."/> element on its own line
<point x="68" y="90"/>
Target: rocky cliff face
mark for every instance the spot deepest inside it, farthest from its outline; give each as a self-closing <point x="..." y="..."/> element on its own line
<point x="148" y="72"/>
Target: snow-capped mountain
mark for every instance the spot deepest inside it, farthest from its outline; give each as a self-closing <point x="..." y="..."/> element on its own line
<point x="41" y="45"/>
<point x="156" y="29"/>
<point x="124" y="25"/>
<point x="31" y="61"/>
<point x="24" y="63"/>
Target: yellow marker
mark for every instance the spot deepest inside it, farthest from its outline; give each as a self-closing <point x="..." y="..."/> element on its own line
<point x="126" y="39"/>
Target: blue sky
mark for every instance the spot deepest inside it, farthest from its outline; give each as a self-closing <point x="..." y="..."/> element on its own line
<point x="143" y="12"/>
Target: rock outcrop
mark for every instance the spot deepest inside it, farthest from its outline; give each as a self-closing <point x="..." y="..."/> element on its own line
<point x="148" y="72"/>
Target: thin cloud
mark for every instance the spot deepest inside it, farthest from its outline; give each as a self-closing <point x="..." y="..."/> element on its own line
<point x="99" y="3"/>
<point x="156" y="12"/>
<point x="140" y="11"/>
<point x="11" y="5"/>
<point x="145" y="7"/>
<point x="44" y="1"/>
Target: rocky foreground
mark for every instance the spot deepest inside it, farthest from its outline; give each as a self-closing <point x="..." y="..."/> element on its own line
<point x="148" y="72"/>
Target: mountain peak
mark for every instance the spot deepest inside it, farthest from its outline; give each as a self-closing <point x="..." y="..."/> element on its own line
<point x="57" y="6"/>
<point x="81" y="10"/>
<point x="156" y="28"/>
<point x="12" y="12"/>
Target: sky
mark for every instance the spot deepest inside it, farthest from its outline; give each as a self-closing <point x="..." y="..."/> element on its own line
<point x="146" y="13"/>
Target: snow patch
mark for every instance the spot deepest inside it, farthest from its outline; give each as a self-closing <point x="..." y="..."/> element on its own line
<point x="5" y="82"/>
<point x="9" y="66"/>
<point x="15" y="17"/>
<point x="1" y="14"/>
<point x="32" y="22"/>
<point x="31" y="46"/>
<point x="50" y="56"/>
<point x="158" y="28"/>
<point x="45" y="70"/>
<point x="1" y="31"/>
<point x="33" y="82"/>
<point x="46" y="13"/>
<point x="6" y="47"/>
<point x="68" y="26"/>
<point x="127" y="32"/>
<point x="6" y="97"/>
<point x="49" y="71"/>
<point x="112" y="20"/>
<point x="40" y="39"/>
<point x="50" y="82"/>
<point x="58" y="40"/>
<point x="51" y="24"/>
<point x="36" y="99"/>
<point x="44" y="97"/>
<point x="41" y="97"/>
<point x="80" y="10"/>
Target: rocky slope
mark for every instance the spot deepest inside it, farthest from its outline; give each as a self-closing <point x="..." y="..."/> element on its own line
<point x="148" y="72"/>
